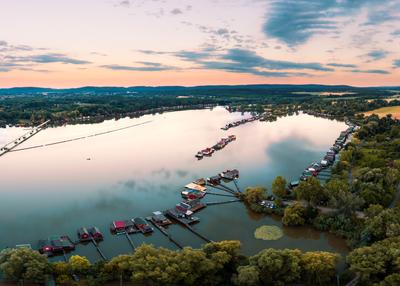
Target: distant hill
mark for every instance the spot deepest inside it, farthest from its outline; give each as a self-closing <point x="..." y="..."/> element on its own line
<point x="194" y="90"/>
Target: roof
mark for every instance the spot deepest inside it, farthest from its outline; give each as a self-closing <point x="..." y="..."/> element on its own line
<point x="196" y="187"/>
<point x="119" y="224"/>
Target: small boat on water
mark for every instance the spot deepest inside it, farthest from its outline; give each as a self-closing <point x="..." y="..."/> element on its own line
<point x="118" y="226"/>
<point x="230" y="174"/>
<point x="56" y="244"/>
<point x="207" y="151"/>
<point x="142" y="225"/>
<point x="95" y="233"/>
<point x="214" y="180"/>
<point x="199" y="155"/>
<point x="201" y="182"/>
<point x="83" y="234"/>
<point x="193" y="191"/>
<point x="160" y="219"/>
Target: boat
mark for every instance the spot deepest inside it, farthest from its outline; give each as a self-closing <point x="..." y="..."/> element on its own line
<point x="181" y="217"/>
<point x="230" y="174"/>
<point x="214" y="180"/>
<point x="118" y="226"/>
<point x="193" y="191"/>
<point x="192" y="194"/>
<point x="95" y="233"/>
<point x="160" y="219"/>
<point x="83" y="234"/>
<point x="199" y="155"/>
<point x="142" y="225"/>
<point x="201" y="182"/>
<point x="56" y="244"/>
<point x="207" y="151"/>
<point x="184" y="208"/>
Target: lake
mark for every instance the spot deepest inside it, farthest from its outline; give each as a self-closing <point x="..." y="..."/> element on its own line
<point x="132" y="172"/>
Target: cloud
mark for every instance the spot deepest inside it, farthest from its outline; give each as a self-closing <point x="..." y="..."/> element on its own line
<point x="251" y="59"/>
<point x="341" y="65"/>
<point x="396" y="33"/>
<point x="295" y="21"/>
<point x="125" y="3"/>
<point x="176" y="11"/>
<point x="146" y="67"/>
<point x="396" y="63"/>
<point x="383" y="13"/>
<point x="373" y="71"/>
<point x="46" y="58"/>
<point x="377" y="55"/>
<point x="246" y="61"/>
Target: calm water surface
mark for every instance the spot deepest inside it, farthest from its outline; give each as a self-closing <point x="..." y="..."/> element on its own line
<point x="132" y="172"/>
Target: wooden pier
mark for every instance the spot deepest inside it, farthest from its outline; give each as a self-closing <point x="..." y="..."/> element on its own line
<point x="224" y="202"/>
<point x="164" y="232"/>
<point x="222" y="195"/>
<point x="98" y="248"/>
<point x="130" y="240"/>
<point x="219" y="187"/>
<point x="187" y="225"/>
<point x="236" y="185"/>
<point x="11" y="145"/>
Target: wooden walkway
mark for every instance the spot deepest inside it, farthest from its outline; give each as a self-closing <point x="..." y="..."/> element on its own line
<point x="13" y="144"/>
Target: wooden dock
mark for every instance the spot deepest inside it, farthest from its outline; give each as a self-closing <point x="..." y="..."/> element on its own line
<point x="164" y="232"/>
<point x="221" y="188"/>
<point x="222" y="195"/>
<point x="224" y="202"/>
<point x="130" y="240"/>
<point x="236" y="185"/>
<point x="98" y="248"/>
<point x="11" y="145"/>
<point x="187" y="225"/>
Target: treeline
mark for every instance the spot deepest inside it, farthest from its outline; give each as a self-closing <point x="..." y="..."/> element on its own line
<point x="218" y="263"/>
<point x="65" y="107"/>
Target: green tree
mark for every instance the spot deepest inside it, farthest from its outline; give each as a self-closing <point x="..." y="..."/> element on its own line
<point x="341" y="198"/>
<point x="279" y="187"/>
<point x="311" y="191"/>
<point x="319" y="267"/>
<point x="79" y="264"/>
<point x="24" y="264"/>
<point x="254" y="195"/>
<point x="377" y="262"/>
<point x="277" y="267"/>
<point x="247" y="276"/>
<point x="383" y="225"/>
<point x="294" y="215"/>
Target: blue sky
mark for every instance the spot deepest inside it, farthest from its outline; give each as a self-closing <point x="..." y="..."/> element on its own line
<point x="158" y="42"/>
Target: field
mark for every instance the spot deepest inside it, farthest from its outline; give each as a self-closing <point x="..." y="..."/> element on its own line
<point x="394" y="110"/>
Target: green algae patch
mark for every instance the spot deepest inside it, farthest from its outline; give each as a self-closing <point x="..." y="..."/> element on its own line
<point x="268" y="232"/>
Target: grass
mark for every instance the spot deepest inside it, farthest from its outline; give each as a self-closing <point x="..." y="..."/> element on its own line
<point x="381" y="112"/>
<point x="268" y="232"/>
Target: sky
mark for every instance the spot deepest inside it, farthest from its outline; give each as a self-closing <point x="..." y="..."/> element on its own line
<point x="71" y="43"/>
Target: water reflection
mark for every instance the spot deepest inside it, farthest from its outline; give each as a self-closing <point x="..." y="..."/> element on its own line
<point x="136" y="171"/>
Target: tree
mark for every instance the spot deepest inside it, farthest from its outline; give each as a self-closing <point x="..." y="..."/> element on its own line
<point x="79" y="264"/>
<point x="376" y="262"/>
<point x="319" y="267"/>
<point x="294" y="215"/>
<point x="383" y="225"/>
<point x="247" y="276"/>
<point x="279" y="187"/>
<point x="311" y="191"/>
<point x="254" y="195"/>
<point x="25" y="264"/>
<point x="341" y="198"/>
<point x="276" y="266"/>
